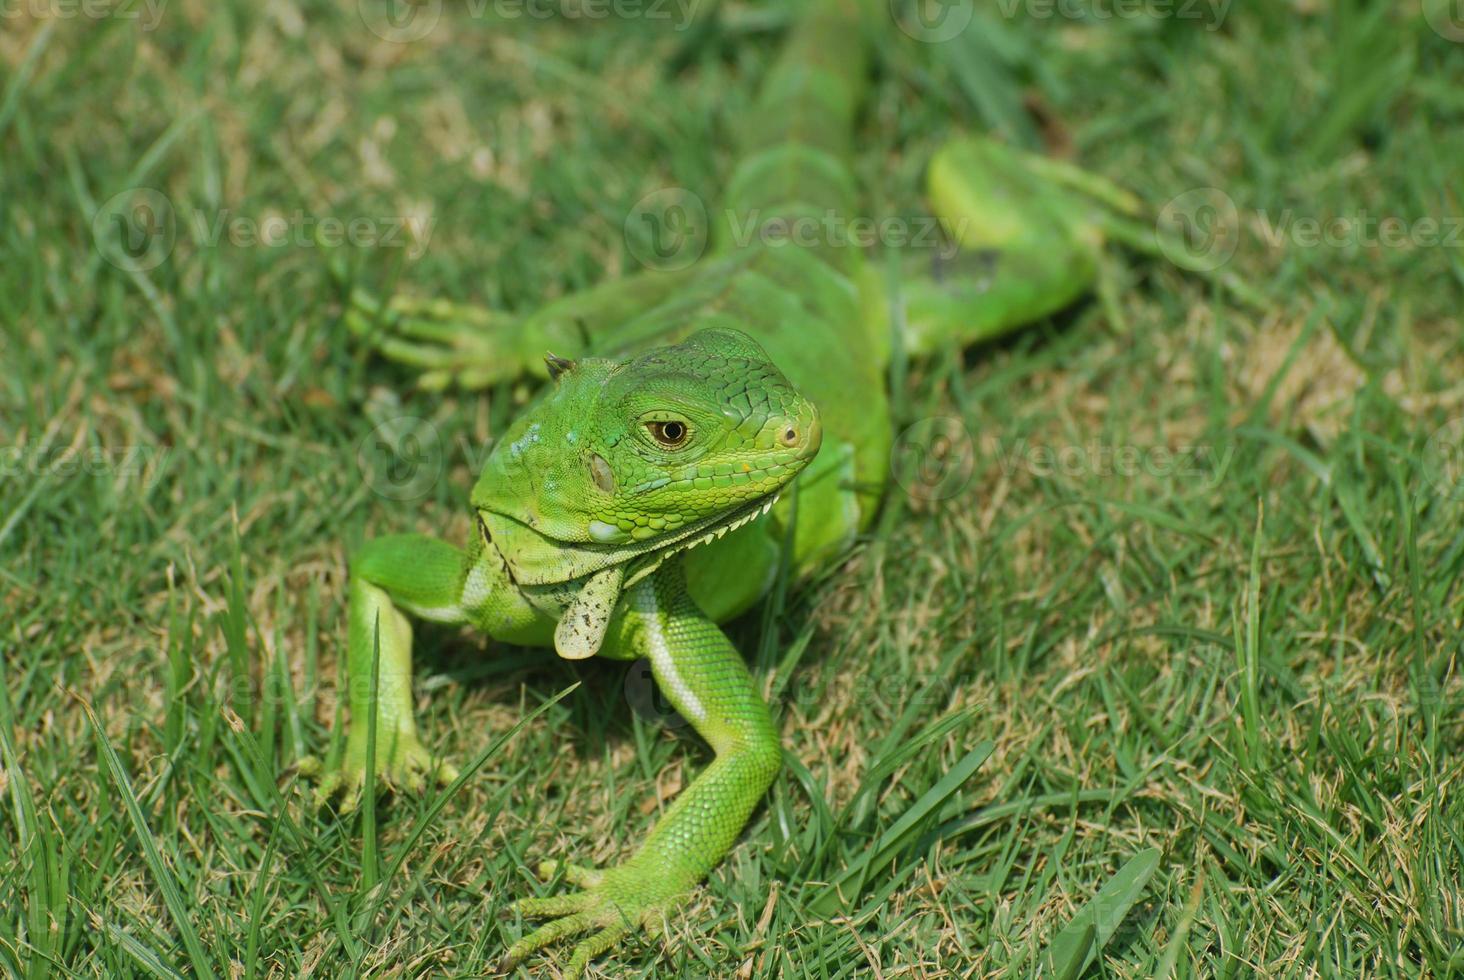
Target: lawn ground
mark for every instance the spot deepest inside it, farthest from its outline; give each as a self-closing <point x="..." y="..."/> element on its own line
<point x="1177" y="644"/>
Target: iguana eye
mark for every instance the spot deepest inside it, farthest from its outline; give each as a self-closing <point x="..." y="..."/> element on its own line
<point x="669" y="433"/>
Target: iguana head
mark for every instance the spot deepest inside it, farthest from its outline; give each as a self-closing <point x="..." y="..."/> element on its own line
<point x="627" y="461"/>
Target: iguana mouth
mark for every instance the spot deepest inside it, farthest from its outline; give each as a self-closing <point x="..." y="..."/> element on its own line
<point x="713" y="529"/>
<point x="533" y="559"/>
<point x="745" y="514"/>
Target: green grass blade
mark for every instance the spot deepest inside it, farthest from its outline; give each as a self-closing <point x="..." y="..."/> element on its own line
<point x="468" y="772"/>
<point x="335" y="908"/>
<point x="1176" y="945"/>
<point x="1070" y="950"/>
<point x="147" y="957"/>
<point x="22" y="76"/>
<point x="370" y="858"/>
<point x="843" y="892"/>
<point x="262" y="891"/>
<point x="1088" y="931"/>
<point x="166" y="882"/>
<point x="47" y="893"/>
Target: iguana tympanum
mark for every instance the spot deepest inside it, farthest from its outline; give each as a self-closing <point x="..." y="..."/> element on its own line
<point x="645" y="496"/>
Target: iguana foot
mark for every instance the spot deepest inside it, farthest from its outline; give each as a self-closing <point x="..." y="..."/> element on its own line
<point x="402" y="764"/>
<point x="452" y="343"/>
<point x="614" y="902"/>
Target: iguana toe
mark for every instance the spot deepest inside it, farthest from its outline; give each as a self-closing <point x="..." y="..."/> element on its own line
<point x="575" y="874"/>
<point x="450" y="343"/>
<point x="404" y="766"/>
<point x="613" y="903"/>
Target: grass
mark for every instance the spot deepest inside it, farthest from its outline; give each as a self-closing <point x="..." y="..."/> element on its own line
<point x="1110" y="708"/>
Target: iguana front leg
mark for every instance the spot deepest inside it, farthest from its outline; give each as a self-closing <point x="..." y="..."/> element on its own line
<point x="707" y="681"/>
<point x="428" y="579"/>
<point x="419" y="573"/>
<point x="474" y="347"/>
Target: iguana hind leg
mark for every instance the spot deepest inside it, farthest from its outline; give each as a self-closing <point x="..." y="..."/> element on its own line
<point x="1025" y="236"/>
<point x="1017" y="244"/>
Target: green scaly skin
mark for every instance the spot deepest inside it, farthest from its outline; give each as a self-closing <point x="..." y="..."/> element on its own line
<point x="601" y="533"/>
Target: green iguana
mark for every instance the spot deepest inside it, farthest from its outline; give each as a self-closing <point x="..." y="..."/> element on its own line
<point x="645" y="496"/>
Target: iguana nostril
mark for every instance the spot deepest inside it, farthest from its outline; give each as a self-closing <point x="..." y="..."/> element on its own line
<point x="789" y="436"/>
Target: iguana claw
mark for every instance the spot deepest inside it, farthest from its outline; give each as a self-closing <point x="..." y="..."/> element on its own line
<point x="614" y="902"/>
<point x="452" y="344"/>
<point x="403" y="766"/>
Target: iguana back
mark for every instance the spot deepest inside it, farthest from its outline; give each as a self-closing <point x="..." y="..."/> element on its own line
<point x="785" y="272"/>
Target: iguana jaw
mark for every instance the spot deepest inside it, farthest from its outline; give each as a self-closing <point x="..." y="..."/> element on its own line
<point x="535" y="559"/>
<point x="705" y="533"/>
<point x="602" y="571"/>
<point x="583" y="624"/>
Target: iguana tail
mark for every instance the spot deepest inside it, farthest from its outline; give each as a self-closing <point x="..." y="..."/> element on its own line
<point x="794" y="149"/>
